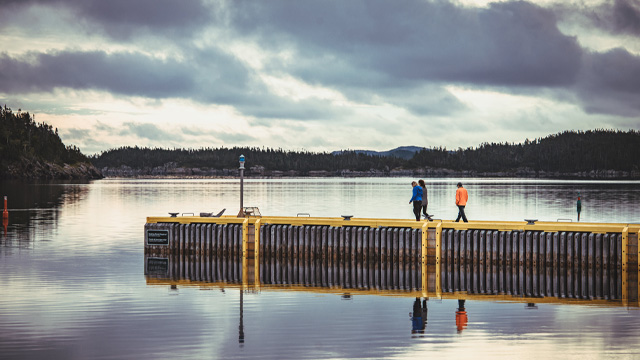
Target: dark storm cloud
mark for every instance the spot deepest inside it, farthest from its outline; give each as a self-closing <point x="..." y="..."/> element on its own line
<point x="211" y="77"/>
<point x="626" y="16"/>
<point x="120" y="17"/>
<point x="377" y="49"/>
<point x="404" y="52"/>
<point x="123" y="18"/>
<point x="611" y="83"/>
<point x="375" y="52"/>
<point x="120" y="73"/>
<point x="618" y="16"/>
<point x="514" y="44"/>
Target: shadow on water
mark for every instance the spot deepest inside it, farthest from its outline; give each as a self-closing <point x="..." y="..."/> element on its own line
<point x="38" y="203"/>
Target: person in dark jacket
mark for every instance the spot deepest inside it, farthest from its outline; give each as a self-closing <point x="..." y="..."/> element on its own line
<point x="425" y="201"/>
<point x="416" y="199"/>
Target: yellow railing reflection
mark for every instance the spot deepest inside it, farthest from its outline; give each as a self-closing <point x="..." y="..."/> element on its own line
<point x="355" y="280"/>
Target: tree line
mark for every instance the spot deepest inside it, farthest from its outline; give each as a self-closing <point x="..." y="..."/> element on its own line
<point x="25" y="142"/>
<point x="565" y="152"/>
<point x="22" y="139"/>
<point x="227" y="158"/>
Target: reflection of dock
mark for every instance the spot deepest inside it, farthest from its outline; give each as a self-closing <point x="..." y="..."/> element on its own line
<point x="358" y="279"/>
<point x="516" y="261"/>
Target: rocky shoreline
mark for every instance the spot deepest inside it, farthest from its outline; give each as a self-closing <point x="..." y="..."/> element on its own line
<point x="42" y="170"/>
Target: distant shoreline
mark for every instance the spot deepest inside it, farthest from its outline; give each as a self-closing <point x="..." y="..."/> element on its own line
<point x="563" y="176"/>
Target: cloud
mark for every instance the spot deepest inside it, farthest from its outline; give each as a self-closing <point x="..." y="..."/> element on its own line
<point x="203" y="135"/>
<point x="148" y="131"/>
<point x="398" y="53"/>
<point x="210" y="77"/>
<point x="123" y="19"/>
<point x="132" y="74"/>
<point x="610" y="83"/>
<point x="617" y="16"/>
<point x="513" y="43"/>
<point x="374" y="67"/>
<point x="74" y="134"/>
<point x="626" y="15"/>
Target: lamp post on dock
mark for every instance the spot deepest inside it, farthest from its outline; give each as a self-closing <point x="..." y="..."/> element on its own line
<point x="241" y="326"/>
<point x="241" y="183"/>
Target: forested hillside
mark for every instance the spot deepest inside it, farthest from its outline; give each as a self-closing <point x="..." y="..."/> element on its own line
<point x="227" y="158"/>
<point x="32" y="150"/>
<point x="590" y="154"/>
<point x="565" y="152"/>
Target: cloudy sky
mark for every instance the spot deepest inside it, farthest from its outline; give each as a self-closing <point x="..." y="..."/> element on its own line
<point x="320" y="75"/>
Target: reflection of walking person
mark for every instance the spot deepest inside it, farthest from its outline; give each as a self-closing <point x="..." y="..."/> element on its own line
<point x="461" y="201"/>
<point x="461" y="316"/>
<point x="416" y="199"/>
<point x="419" y="316"/>
<point x="425" y="201"/>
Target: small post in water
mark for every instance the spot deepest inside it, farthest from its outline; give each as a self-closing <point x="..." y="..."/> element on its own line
<point x="579" y="206"/>
<point x="5" y="216"/>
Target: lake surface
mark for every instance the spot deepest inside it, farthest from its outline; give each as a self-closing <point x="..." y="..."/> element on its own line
<point x="73" y="285"/>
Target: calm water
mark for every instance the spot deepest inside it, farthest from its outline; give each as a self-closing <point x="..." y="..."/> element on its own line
<point x="73" y="285"/>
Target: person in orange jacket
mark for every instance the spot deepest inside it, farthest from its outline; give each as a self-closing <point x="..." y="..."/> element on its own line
<point x="461" y="201"/>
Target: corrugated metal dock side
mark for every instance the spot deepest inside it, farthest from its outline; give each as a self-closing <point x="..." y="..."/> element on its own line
<point x="351" y="256"/>
<point x="533" y="263"/>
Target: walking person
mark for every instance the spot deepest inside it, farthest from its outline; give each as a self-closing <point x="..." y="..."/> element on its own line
<point x="425" y="200"/>
<point x="416" y="199"/>
<point x="461" y="201"/>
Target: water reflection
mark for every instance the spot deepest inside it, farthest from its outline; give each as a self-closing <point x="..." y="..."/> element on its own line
<point x="36" y="203"/>
<point x="572" y="286"/>
<point x="461" y="316"/>
<point x="419" y="316"/>
<point x="80" y="292"/>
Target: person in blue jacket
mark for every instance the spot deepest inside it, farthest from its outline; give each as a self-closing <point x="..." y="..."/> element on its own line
<point x="416" y="199"/>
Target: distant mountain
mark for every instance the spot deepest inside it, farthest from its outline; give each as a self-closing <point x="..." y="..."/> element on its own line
<point x="402" y="152"/>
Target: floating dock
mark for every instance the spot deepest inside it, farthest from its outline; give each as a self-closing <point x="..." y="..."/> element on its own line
<point x="592" y="262"/>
